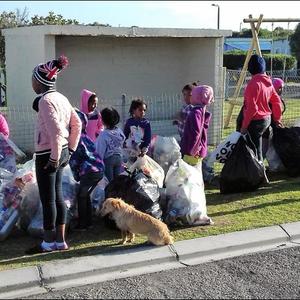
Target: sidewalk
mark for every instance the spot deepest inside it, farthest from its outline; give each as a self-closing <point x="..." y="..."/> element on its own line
<point x="143" y="259"/>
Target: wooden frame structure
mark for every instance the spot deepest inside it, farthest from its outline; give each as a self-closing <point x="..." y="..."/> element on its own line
<point x="254" y="45"/>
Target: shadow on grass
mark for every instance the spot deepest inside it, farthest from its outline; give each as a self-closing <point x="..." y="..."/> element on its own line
<point x="254" y="207"/>
<point x="277" y="185"/>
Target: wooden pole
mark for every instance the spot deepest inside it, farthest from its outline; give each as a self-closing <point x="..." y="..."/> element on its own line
<point x="272" y="20"/>
<point x="254" y="43"/>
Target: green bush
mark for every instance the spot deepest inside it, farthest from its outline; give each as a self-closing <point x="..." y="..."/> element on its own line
<point x="235" y="59"/>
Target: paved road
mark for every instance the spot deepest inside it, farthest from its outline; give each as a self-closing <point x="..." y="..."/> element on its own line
<point x="268" y="275"/>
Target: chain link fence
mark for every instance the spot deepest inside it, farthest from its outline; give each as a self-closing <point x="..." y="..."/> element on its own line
<point x="161" y="111"/>
<point x="291" y="94"/>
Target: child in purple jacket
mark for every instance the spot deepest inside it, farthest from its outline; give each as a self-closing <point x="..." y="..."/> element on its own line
<point x="194" y="140"/>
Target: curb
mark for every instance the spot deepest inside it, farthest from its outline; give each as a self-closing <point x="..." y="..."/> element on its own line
<point x="143" y="260"/>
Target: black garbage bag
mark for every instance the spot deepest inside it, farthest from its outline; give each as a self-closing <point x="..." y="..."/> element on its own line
<point x="286" y="142"/>
<point x="242" y="172"/>
<point x="136" y="189"/>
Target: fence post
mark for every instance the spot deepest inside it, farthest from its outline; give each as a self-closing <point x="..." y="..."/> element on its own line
<point x="123" y="109"/>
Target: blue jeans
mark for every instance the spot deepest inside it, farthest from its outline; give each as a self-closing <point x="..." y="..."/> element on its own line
<point x="113" y="166"/>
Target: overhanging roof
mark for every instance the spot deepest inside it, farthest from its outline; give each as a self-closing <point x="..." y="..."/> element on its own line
<point x="134" y="31"/>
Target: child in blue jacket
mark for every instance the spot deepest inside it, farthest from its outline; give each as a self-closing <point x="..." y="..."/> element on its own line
<point x="87" y="168"/>
<point x="137" y="129"/>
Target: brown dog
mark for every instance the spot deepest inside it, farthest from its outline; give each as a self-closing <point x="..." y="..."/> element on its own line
<point x="131" y="221"/>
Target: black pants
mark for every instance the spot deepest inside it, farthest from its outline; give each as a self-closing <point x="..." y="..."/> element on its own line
<point x="87" y="184"/>
<point x="256" y="129"/>
<point x="50" y="189"/>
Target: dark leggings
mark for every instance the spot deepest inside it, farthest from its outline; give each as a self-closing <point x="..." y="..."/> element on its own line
<point x="256" y="129"/>
<point x="50" y="189"/>
<point x="87" y="184"/>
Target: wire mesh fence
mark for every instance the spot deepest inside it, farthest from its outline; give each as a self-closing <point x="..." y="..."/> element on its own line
<point x="161" y="111"/>
<point x="291" y="94"/>
<point x="290" y="77"/>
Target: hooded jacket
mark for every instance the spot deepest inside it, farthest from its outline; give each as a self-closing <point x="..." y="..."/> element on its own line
<point x="194" y="140"/>
<point x="95" y="125"/>
<point x="257" y="96"/>
<point x="110" y="142"/>
<point x="85" y="159"/>
<point x="4" y="126"/>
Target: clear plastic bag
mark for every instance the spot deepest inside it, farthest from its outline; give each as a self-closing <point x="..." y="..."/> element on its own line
<point x="98" y="194"/>
<point x="70" y="187"/>
<point x="149" y="167"/>
<point x="185" y="192"/>
<point x="36" y="227"/>
<point x="165" y="151"/>
<point x="29" y="205"/>
<point x="274" y="161"/>
<point x="7" y="155"/>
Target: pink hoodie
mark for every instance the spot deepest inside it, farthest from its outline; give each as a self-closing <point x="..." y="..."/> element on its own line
<point x="4" y="126"/>
<point x="95" y="125"/>
<point x="257" y="96"/>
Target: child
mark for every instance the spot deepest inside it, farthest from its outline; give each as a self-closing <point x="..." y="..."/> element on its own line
<point x="194" y="140"/>
<point x="137" y="129"/>
<point x="88" y="105"/>
<point x="57" y="133"/>
<point x="87" y="168"/>
<point x="278" y="85"/>
<point x="110" y="142"/>
<point x="187" y="94"/>
<point x="4" y="126"/>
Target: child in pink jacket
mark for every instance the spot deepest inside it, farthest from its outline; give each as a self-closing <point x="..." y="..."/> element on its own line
<point x="57" y="134"/>
<point x="4" y="126"/>
<point x="88" y="105"/>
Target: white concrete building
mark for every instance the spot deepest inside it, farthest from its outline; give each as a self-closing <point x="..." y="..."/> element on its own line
<point x="112" y="61"/>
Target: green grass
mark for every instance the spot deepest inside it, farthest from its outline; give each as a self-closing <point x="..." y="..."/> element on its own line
<point x="274" y="204"/>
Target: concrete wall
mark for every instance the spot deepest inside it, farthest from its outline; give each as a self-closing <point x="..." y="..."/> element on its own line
<point x="111" y="66"/>
<point x="21" y="57"/>
<point x="134" y="66"/>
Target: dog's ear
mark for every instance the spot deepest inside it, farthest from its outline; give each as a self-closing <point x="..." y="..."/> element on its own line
<point x="116" y="203"/>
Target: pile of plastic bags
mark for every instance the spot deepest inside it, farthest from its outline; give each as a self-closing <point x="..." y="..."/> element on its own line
<point x="185" y="193"/>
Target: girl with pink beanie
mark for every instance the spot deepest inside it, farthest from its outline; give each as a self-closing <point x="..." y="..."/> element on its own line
<point x="194" y="140"/>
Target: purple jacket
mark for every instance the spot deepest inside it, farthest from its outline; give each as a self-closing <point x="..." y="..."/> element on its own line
<point x="194" y="139"/>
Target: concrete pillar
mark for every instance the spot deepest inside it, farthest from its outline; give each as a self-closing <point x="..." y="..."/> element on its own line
<point x="36" y="48"/>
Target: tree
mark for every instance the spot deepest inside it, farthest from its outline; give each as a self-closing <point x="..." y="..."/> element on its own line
<point x="20" y="18"/>
<point x="51" y="19"/>
<point x="11" y="20"/>
<point x="295" y="42"/>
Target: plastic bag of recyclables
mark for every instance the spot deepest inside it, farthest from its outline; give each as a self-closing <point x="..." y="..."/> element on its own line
<point x="186" y="197"/>
<point x="98" y="194"/>
<point x="165" y="151"/>
<point x="224" y="149"/>
<point x="8" y="152"/>
<point x="150" y="168"/>
<point x="31" y="212"/>
<point x="12" y="193"/>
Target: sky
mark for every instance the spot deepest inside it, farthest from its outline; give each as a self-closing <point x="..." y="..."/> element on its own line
<point x="172" y="14"/>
